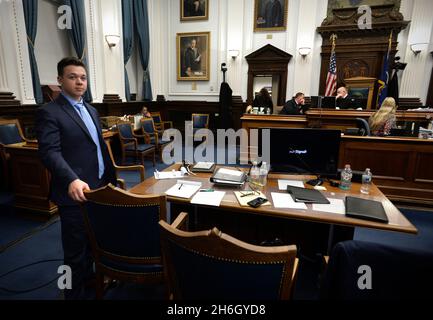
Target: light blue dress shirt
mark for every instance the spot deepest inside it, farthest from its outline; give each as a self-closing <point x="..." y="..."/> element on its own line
<point x="88" y="121"/>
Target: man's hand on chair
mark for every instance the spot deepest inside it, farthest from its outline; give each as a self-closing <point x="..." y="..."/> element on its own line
<point x="76" y="188"/>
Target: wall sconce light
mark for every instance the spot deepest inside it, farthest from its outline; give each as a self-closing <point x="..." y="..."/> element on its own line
<point x="304" y="51"/>
<point x="112" y="40"/>
<point x="418" y="47"/>
<point x="233" y="53"/>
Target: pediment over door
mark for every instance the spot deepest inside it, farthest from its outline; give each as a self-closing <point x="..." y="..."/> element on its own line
<point x="269" y="53"/>
<point x="269" y="60"/>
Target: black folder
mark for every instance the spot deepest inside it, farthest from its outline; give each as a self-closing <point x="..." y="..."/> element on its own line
<point x="365" y="209"/>
<point x="307" y="195"/>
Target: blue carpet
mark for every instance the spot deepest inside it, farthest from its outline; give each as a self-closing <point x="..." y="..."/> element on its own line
<point x="45" y="245"/>
<point x="12" y="226"/>
<point x="422" y="220"/>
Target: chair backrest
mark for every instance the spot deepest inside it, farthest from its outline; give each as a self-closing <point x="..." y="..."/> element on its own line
<point x="363" y="126"/>
<point x="123" y="226"/>
<point x="200" y="120"/>
<point x="10" y="132"/>
<point x="156" y="116"/>
<point x="147" y="125"/>
<point x="213" y="265"/>
<point x="125" y="130"/>
<point x="394" y="272"/>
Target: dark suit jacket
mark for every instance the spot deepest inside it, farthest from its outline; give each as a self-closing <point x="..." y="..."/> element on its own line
<point x="67" y="149"/>
<point x="291" y="108"/>
<point x="348" y="103"/>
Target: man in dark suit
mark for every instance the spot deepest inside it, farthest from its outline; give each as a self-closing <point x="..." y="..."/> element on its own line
<point x="273" y="14"/>
<point x="294" y="106"/>
<point x="192" y="59"/>
<point x="345" y="101"/>
<point x="72" y="148"/>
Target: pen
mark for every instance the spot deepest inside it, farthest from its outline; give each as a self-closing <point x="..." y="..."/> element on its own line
<point x="206" y="190"/>
<point x="181" y="185"/>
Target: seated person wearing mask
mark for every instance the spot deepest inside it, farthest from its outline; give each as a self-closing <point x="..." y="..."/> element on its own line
<point x="263" y="102"/>
<point x="294" y="106"/>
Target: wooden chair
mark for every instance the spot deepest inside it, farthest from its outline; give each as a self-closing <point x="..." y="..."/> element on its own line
<point x="200" y="121"/>
<point x="118" y="169"/>
<point x="159" y="124"/>
<point x="124" y="235"/>
<point x="130" y="145"/>
<point x="11" y="132"/>
<point x="149" y="130"/>
<point x="4" y="169"/>
<point x="213" y="265"/>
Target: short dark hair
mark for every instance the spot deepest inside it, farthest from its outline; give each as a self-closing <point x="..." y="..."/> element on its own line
<point x="68" y="61"/>
<point x="299" y="94"/>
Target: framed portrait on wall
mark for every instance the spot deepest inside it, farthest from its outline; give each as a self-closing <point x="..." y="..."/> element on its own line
<point x="193" y="56"/>
<point x="270" y="15"/>
<point x="194" y="10"/>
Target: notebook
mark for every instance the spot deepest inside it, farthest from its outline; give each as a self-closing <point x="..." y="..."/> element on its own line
<point x="245" y="196"/>
<point x="184" y="189"/>
<point x="365" y="209"/>
<point x="306" y="195"/>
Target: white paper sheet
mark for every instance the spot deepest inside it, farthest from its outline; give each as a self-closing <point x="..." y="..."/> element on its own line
<point x="285" y="200"/>
<point x="336" y="206"/>
<point x="184" y="189"/>
<point x="213" y="198"/>
<point x="282" y="184"/>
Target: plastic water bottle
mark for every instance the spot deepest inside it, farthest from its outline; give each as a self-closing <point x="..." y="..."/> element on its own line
<point x="346" y="178"/>
<point x="263" y="173"/>
<point x="255" y="173"/>
<point x="366" y="181"/>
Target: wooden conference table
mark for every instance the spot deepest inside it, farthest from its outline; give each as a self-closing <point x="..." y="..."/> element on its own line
<point x="312" y="231"/>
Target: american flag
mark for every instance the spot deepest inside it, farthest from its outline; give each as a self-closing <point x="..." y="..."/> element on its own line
<point x="331" y="78"/>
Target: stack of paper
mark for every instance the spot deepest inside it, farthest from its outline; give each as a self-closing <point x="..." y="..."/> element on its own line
<point x="282" y="184"/>
<point x="336" y="206"/>
<point x="212" y="198"/>
<point x="285" y="200"/>
<point x="184" y="189"/>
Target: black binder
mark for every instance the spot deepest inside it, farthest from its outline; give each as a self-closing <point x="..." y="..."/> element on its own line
<point x="365" y="209"/>
<point x="307" y="195"/>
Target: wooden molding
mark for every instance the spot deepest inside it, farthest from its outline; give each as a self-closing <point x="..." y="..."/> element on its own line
<point x="8" y="99"/>
<point x="110" y="98"/>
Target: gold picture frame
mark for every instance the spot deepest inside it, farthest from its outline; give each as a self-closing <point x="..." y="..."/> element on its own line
<point x="191" y="10"/>
<point x="193" y="56"/>
<point x="270" y="15"/>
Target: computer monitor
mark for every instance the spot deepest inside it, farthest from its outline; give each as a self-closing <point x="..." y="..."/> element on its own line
<point x="328" y="102"/>
<point x="305" y="151"/>
<point x="315" y="102"/>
